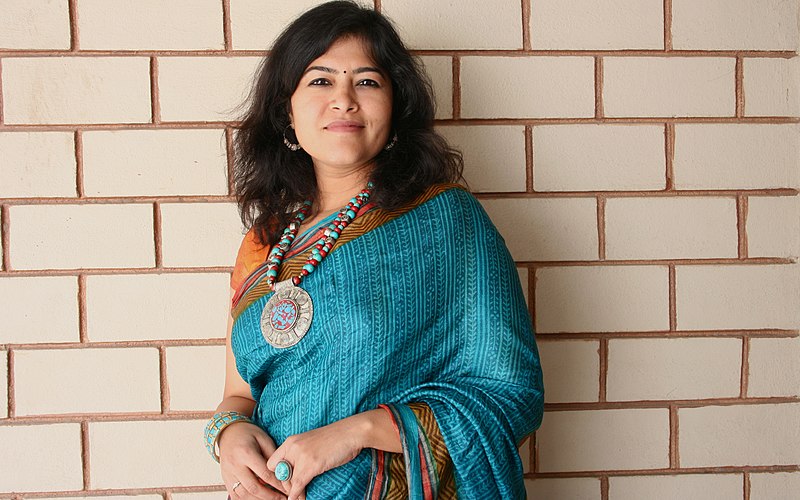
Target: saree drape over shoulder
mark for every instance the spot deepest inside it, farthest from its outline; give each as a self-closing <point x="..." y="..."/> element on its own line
<point x="418" y="311"/>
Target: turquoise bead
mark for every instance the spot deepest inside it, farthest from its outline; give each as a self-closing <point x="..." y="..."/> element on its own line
<point x="308" y="267"/>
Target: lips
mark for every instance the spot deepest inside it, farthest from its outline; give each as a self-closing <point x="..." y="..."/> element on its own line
<point x="344" y="126"/>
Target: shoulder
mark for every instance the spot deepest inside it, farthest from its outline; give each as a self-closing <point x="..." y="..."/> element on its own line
<point x="251" y="255"/>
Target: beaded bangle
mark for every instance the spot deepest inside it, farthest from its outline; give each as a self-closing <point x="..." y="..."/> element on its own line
<point x="218" y="422"/>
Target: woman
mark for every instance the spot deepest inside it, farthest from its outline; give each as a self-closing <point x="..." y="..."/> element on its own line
<point x="379" y="345"/>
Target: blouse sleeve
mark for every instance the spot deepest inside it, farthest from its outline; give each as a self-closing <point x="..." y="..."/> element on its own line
<point x="251" y="255"/>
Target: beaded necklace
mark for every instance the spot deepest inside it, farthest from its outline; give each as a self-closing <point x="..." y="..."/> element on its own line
<point x="287" y="315"/>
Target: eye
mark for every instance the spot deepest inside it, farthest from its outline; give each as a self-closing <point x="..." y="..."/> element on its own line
<point x="319" y="82"/>
<point x="367" y="82"/>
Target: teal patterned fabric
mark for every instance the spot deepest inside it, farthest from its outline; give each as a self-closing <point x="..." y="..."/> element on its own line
<point x="427" y="307"/>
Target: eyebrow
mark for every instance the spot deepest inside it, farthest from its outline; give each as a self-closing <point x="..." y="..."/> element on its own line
<point x="363" y="69"/>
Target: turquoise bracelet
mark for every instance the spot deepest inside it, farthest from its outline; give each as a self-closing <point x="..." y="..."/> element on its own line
<point x="217" y="423"/>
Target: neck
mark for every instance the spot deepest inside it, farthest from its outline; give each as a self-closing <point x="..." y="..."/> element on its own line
<point x="334" y="189"/>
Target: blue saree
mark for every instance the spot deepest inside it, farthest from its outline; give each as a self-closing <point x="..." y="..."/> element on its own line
<point x="418" y="309"/>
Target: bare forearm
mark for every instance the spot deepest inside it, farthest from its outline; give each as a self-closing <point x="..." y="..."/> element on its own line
<point x="378" y="431"/>
<point x="237" y="403"/>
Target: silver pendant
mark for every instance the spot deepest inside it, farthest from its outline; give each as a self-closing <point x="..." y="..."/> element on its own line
<point x="287" y="315"/>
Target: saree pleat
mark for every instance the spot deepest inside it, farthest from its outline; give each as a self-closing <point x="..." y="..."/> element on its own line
<point x="419" y="310"/>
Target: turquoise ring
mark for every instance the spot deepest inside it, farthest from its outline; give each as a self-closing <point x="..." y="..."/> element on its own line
<point x="283" y="471"/>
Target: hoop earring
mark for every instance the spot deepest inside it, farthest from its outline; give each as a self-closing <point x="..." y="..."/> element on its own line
<point x="391" y="143"/>
<point x="293" y="146"/>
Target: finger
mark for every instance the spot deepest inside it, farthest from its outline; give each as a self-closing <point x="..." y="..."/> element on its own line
<point x="253" y="487"/>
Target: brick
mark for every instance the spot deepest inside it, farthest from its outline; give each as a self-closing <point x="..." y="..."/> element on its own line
<point x="440" y="71"/>
<point x="255" y="24"/>
<point x="684" y="486"/>
<point x="494" y="156"/>
<point x="734" y="25"/>
<point x="736" y="156"/>
<point x="518" y="219"/>
<point x="663" y="369"/>
<point x="150" y="24"/>
<point x="37" y="164"/>
<point x="154" y="162"/>
<point x="86" y="380"/>
<point x="598" y="157"/>
<point x="42" y="458"/>
<point x="593" y="24"/>
<point x="157" y="307"/>
<point x="195" y="234"/>
<point x="774" y="486"/>
<point x="527" y="87"/>
<point x="3" y="384"/>
<point x="671" y="228"/>
<point x="771" y="88"/>
<point x="572" y="368"/>
<point x="430" y="24"/>
<point x="737" y="296"/>
<point x="602" y="299"/>
<point x="121" y="462"/>
<point x="196" y="377"/>
<point x="739" y="435"/>
<point x="81" y="236"/>
<point x="589" y="440"/>
<point x="525" y="451"/>
<point x="204" y="88"/>
<point x="668" y="86"/>
<point x="35" y="24"/>
<point x="523" y="280"/>
<point x="76" y="90"/>
<point x="112" y="497"/>
<point x="773" y="368"/>
<point x="25" y="299"/>
<point x="773" y="226"/>
<point x="205" y="495"/>
<point x="577" y="488"/>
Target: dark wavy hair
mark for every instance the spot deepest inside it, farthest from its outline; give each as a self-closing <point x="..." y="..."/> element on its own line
<point x="270" y="181"/>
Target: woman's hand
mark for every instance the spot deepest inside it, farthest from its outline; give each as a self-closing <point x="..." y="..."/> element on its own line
<point x="316" y="451"/>
<point x="243" y="452"/>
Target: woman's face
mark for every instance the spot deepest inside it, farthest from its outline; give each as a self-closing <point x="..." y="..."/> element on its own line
<point x="342" y="108"/>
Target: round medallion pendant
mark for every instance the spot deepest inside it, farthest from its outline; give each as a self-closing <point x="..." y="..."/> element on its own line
<point x="287" y="315"/>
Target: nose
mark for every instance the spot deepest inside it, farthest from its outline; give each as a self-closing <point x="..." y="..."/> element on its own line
<point x="344" y="98"/>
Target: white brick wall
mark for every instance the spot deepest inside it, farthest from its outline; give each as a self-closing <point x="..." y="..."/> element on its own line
<point x="640" y="158"/>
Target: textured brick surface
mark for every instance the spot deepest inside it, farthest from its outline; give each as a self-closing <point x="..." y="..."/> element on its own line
<point x="770" y="87"/>
<point x="584" y="488"/>
<point x="471" y="25"/>
<point x="154" y="162"/>
<point x="76" y="90"/>
<point x="35" y="24"/>
<point x="200" y="234"/>
<point x="494" y="157"/>
<point x="603" y="440"/>
<point x="440" y="71"/>
<point x="491" y="87"/>
<point x="565" y="228"/>
<point x="735" y="24"/>
<point x="150" y="24"/>
<point x="24" y="299"/>
<point x="736" y="156"/>
<point x="626" y="298"/>
<point x="671" y="228"/>
<point x="196" y="376"/>
<point x="685" y="86"/>
<point x="598" y="157"/>
<point x="774" y="369"/>
<point x="167" y="306"/>
<point x="82" y="236"/>
<point x="775" y="486"/>
<point x="37" y="164"/>
<point x="3" y="384"/>
<point x="656" y="369"/>
<point x="738" y="296"/>
<point x="572" y="368"/>
<point x="163" y="453"/>
<point x="42" y="458"/>
<point x="86" y="380"/>
<point x="685" y="487"/>
<point x="204" y="88"/>
<point x="773" y="226"/>
<point x="707" y="435"/>
<point x="593" y="24"/>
